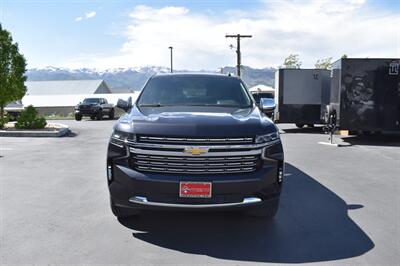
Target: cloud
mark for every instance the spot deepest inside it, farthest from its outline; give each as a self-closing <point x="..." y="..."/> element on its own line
<point x="87" y="15"/>
<point x="90" y="14"/>
<point x="313" y="29"/>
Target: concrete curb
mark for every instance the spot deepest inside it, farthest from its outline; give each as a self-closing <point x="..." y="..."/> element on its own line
<point x="59" y="132"/>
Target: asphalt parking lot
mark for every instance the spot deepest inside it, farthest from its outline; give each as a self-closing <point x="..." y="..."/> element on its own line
<point x="340" y="206"/>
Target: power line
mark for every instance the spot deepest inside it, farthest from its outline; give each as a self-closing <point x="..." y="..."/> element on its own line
<point x="238" y="53"/>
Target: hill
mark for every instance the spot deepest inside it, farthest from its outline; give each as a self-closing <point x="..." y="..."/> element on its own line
<point x="134" y="78"/>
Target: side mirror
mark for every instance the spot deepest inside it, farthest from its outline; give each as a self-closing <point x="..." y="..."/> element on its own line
<point x="125" y="105"/>
<point x="267" y="105"/>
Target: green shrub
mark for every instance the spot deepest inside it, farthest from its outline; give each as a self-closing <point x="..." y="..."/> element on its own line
<point x="29" y="119"/>
<point x="11" y="117"/>
<point x="5" y="121"/>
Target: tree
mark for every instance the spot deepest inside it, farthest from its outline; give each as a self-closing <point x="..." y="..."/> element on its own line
<point x="344" y="56"/>
<point x="12" y="70"/>
<point x="292" y="61"/>
<point x="325" y="63"/>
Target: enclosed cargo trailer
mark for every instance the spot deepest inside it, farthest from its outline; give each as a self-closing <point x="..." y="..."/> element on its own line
<point x="365" y="95"/>
<point x="299" y="94"/>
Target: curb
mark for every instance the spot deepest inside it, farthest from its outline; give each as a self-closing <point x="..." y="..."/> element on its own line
<point x="35" y="133"/>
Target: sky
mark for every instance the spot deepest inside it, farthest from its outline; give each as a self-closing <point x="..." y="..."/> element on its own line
<point x="119" y="34"/>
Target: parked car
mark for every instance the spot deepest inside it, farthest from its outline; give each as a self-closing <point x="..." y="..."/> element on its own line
<point x="194" y="142"/>
<point x="259" y="95"/>
<point x="96" y="108"/>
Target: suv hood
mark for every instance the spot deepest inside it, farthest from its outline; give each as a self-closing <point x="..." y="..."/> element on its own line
<point x="196" y="122"/>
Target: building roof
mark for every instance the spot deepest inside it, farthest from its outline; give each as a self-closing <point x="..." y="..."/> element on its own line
<point x="121" y="90"/>
<point x="14" y="105"/>
<point x="261" y="88"/>
<point x="66" y="87"/>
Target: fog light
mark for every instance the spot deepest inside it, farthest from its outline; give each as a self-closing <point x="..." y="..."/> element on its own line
<point x="109" y="172"/>
<point x="280" y="175"/>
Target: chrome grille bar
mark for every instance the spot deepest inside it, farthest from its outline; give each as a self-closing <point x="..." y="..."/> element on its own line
<point x="210" y="147"/>
<point x="196" y="159"/>
<point x="179" y="162"/>
<point x="196" y="171"/>
<point x="182" y="154"/>
<point x="194" y="166"/>
<point x="194" y="141"/>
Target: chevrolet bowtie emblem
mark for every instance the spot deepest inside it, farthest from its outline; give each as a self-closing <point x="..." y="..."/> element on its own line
<point x="195" y="151"/>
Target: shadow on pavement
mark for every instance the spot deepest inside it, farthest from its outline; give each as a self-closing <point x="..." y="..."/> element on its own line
<point x="70" y="134"/>
<point x="311" y="225"/>
<point x="374" y="140"/>
<point x="305" y="130"/>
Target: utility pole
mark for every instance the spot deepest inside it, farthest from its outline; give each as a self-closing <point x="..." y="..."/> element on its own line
<point x="238" y="53"/>
<point x="170" y="48"/>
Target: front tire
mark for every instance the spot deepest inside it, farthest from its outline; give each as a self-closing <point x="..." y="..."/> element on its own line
<point x="299" y="125"/>
<point x="112" y="114"/>
<point x="99" y="115"/>
<point x="78" y="117"/>
<point x="266" y="210"/>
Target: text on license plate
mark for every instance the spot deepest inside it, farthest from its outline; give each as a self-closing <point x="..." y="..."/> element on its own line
<point x="195" y="189"/>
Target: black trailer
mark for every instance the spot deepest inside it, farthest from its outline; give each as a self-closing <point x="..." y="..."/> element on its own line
<point x="299" y="94"/>
<point x="365" y="95"/>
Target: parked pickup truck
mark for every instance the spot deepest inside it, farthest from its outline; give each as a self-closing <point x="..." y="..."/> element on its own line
<point x="195" y="142"/>
<point x="96" y="108"/>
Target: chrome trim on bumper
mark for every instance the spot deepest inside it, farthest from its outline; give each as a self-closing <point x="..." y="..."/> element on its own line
<point x="143" y="201"/>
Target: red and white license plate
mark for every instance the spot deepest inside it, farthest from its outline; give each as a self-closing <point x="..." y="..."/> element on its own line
<point x="195" y="189"/>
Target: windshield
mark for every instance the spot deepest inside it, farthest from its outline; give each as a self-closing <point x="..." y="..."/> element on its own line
<point x="91" y="100"/>
<point x="187" y="90"/>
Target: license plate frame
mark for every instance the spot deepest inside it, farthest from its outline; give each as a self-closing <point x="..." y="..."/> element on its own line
<point x="189" y="189"/>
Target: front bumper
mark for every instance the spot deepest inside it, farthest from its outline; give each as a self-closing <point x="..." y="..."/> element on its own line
<point x="147" y="190"/>
<point x="86" y="112"/>
<point x="145" y="202"/>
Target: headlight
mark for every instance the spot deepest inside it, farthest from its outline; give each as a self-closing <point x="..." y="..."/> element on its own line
<point x="120" y="138"/>
<point x="267" y="138"/>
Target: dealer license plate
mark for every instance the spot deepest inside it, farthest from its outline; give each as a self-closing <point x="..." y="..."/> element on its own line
<point x="195" y="189"/>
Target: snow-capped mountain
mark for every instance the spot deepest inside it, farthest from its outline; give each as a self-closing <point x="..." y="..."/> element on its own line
<point x="134" y="78"/>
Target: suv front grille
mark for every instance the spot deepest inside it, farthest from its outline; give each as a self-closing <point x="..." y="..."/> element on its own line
<point x="195" y="155"/>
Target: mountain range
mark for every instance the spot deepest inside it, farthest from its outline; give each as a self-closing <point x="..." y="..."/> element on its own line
<point x="133" y="79"/>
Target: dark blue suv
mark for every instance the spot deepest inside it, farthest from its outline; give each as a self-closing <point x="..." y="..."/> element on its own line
<point x="194" y="142"/>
